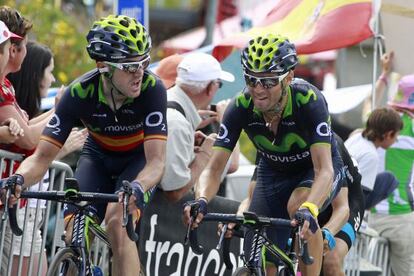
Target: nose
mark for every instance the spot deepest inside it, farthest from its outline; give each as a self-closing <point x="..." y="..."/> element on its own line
<point x="139" y="73"/>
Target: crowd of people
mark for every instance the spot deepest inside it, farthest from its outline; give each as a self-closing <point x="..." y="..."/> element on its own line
<point x="161" y="131"/>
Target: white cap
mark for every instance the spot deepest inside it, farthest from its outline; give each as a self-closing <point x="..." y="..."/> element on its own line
<point x="5" y="33"/>
<point x="201" y="67"/>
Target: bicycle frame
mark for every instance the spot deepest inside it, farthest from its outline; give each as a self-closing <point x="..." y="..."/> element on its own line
<point x="82" y="224"/>
<point x="261" y="244"/>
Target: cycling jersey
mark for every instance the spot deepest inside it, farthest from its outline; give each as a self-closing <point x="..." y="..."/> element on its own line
<point x="138" y="119"/>
<point x="305" y="121"/>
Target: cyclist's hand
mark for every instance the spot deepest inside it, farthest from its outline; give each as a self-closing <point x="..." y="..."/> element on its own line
<point x="305" y="218"/>
<point x="15" y="183"/>
<point x="137" y="199"/>
<point x="195" y="209"/>
<point x="229" y="232"/>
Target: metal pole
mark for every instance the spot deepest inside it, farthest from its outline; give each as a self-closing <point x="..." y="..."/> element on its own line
<point x="210" y="22"/>
<point x="376" y="8"/>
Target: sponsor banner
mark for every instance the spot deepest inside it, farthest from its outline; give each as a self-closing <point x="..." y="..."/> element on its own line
<point x="161" y="245"/>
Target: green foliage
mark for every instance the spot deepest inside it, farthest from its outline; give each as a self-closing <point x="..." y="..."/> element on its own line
<point x="247" y="147"/>
<point x="62" y="33"/>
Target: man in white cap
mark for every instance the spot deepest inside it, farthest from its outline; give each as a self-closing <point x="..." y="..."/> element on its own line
<point x="199" y="76"/>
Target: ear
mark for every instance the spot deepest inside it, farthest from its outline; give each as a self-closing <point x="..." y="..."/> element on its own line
<point x="102" y="67"/>
<point x="13" y="50"/>
<point x="290" y="77"/>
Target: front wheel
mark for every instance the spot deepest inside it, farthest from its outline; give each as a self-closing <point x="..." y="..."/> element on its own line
<point x="65" y="262"/>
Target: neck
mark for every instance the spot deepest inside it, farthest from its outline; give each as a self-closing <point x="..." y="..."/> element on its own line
<point x="116" y="98"/>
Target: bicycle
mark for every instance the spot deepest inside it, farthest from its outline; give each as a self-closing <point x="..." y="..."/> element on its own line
<point x="251" y="222"/>
<point x="75" y="259"/>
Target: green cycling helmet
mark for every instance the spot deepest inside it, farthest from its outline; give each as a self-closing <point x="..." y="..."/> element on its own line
<point x="117" y="37"/>
<point x="269" y="54"/>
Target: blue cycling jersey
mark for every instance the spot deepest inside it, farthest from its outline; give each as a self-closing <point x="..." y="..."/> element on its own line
<point x="138" y="119"/>
<point x="305" y="121"/>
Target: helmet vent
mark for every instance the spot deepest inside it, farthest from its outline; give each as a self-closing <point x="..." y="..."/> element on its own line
<point x="124" y="23"/>
<point x="133" y="33"/>
<point x="122" y="32"/>
<point x="256" y="63"/>
<point x="140" y="46"/>
<point x="108" y="28"/>
<point x="254" y="48"/>
<point x="265" y="41"/>
<point x="129" y="43"/>
<point x="259" y="52"/>
<point x="116" y="38"/>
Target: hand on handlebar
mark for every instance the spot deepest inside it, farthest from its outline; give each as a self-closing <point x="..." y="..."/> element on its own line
<point x="194" y="211"/>
<point x="308" y="222"/>
<point x="136" y="193"/>
<point x="14" y="183"/>
<point x="229" y="229"/>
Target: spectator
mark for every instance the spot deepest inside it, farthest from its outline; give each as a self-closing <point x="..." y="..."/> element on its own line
<point x="381" y="131"/>
<point x="199" y="77"/>
<point x="9" y="107"/>
<point x="212" y="114"/>
<point x="32" y="82"/>
<point x="10" y="129"/>
<point x="393" y="217"/>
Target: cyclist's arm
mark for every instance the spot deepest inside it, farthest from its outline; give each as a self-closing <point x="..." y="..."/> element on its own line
<point x="209" y="182"/>
<point x="322" y="165"/>
<point x="155" y="163"/>
<point x="340" y="212"/>
<point x="35" y="166"/>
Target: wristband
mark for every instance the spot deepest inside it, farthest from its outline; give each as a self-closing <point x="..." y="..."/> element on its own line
<point x="327" y="235"/>
<point x="313" y="208"/>
<point x="384" y="79"/>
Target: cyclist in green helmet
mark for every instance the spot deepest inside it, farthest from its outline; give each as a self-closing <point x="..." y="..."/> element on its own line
<point x="123" y="106"/>
<point x="287" y="120"/>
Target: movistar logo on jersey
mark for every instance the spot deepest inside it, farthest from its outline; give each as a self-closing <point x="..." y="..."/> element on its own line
<point x="149" y="81"/>
<point x="285" y="158"/>
<point x="304" y="99"/>
<point x="80" y="92"/>
<point x="288" y="141"/>
<point x="118" y="128"/>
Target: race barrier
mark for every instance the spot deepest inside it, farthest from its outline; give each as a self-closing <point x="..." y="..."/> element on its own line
<point x="58" y="171"/>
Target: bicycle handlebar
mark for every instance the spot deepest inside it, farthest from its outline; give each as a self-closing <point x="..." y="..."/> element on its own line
<point x="248" y="219"/>
<point x="78" y="198"/>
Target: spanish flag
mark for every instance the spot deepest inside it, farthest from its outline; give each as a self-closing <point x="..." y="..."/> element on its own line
<point x="313" y="25"/>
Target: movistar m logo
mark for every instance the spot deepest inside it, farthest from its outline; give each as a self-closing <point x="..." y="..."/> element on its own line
<point x="80" y="92"/>
<point x="304" y="99"/>
<point x="150" y="80"/>
<point x="243" y="101"/>
<point x="287" y="142"/>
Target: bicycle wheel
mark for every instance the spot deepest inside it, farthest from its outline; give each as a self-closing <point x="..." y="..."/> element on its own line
<point x="65" y="262"/>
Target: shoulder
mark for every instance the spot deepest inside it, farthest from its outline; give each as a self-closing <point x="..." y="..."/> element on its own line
<point x="304" y="93"/>
<point x="86" y="85"/>
<point x="150" y="82"/>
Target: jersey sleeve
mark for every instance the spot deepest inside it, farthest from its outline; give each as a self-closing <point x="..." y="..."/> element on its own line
<point x="231" y="126"/>
<point x="60" y="125"/>
<point x="155" y="104"/>
<point x="315" y="115"/>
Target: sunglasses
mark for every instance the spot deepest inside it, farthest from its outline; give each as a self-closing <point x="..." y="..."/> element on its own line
<point x="131" y="67"/>
<point x="266" y="82"/>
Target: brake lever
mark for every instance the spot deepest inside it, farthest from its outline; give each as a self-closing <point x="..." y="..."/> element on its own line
<point x="127" y="194"/>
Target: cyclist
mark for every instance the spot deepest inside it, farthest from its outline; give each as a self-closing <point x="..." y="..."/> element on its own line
<point x="288" y="122"/>
<point x="340" y="220"/>
<point x="123" y="107"/>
